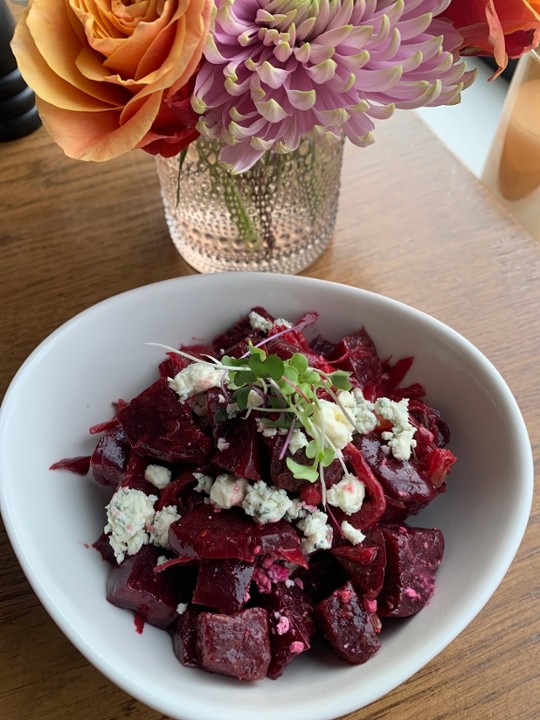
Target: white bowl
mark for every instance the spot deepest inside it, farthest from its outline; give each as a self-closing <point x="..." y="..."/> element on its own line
<point x="68" y="384"/>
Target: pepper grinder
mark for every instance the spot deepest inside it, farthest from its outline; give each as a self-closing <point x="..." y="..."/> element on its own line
<point x="18" y="112"/>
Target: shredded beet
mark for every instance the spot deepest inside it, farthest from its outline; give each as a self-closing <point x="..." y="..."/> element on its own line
<point x="214" y="535"/>
<point x="79" y="465"/>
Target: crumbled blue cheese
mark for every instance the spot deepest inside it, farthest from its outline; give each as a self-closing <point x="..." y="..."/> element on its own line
<point x="204" y="482"/>
<point x="222" y="444"/>
<point x="158" y="475"/>
<point x="129" y="513"/>
<point x="159" y="527"/>
<point x="196" y="378"/>
<point x="400" y="439"/>
<point x="181" y="608"/>
<point x="258" y="322"/>
<point x="329" y="417"/>
<point x="297" y="441"/>
<point x="296" y="511"/>
<point x="228" y="491"/>
<point x="268" y="430"/>
<point x="254" y="400"/>
<point x="352" y="534"/>
<point x="359" y="410"/>
<point x="266" y="504"/>
<point x="317" y="532"/>
<point x="348" y="494"/>
<point x="283" y="323"/>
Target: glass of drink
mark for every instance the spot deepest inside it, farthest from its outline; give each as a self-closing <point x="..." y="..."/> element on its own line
<point x="512" y="169"/>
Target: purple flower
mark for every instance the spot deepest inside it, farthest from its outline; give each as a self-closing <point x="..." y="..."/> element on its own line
<point x="276" y="71"/>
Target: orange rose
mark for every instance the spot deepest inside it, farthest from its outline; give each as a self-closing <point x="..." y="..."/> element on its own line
<point x="103" y="69"/>
<point x="496" y="28"/>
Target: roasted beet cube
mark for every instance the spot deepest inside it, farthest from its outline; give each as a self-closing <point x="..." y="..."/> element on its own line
<point x="322" y="346"/>
<point x="357" y="354"/>
<point x="174" y="363"/>
<point x="223" y="584"/>
<point x="413" y="557"/>
<point x="236" y="645"/>
<point x="406" y="488"/>
<point x="295" y="342"/>
<point x="133" y="476"/>
<point x="290" y="616"/>
<point x="104" y="548"/>
<point x="159" y="426"/>
<point x="184" y="637"/>
<point x="237" y="440"/>
<point x="134" y="585"/>
<point x="347" y="626"/>
<point x="374" y="505"/>
<point x="365" y="563"/>
<point x="240" y="331"/>
<point x="206" y="533"/>
<point x="324" y="575"/>
<point x="110" y="457"/>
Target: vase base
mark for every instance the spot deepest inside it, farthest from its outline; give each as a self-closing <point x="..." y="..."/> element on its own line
<point x="203" y="257"/>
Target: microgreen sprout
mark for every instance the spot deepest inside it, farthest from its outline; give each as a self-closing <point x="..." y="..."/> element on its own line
<point x="289" y="391"/>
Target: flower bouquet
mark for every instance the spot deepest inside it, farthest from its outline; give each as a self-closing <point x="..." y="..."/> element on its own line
<point x="254" y="96"/>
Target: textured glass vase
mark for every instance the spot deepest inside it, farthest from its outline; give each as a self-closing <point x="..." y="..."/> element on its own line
<point x="277" y="217"/>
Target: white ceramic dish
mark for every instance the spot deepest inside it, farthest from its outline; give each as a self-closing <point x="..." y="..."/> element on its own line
<point x="68" y="384"/>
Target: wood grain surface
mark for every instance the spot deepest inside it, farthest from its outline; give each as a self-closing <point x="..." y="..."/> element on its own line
<point x="413" y="224"/>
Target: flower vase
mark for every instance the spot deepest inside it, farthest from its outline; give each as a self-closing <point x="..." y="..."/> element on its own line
<point x="276" y="217"/>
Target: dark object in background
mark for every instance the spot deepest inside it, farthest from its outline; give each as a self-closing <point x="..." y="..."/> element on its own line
<point x="507" y="73"/>
<point x="18" y="112"/>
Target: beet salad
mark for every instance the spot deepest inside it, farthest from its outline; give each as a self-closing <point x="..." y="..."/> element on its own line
<point x="261" y="494"/>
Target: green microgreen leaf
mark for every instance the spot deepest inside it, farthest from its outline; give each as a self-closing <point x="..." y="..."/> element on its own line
<point x="221" y="416"/>
<point x="233" y="362"/>
<point x="328" y="457"/>
<point x="275" y="367"/>
<point x="299" y="362"/>
<point x="302" y="472"/>
<point x="244" y="377"/>
<point x="312" y="449"/>
<point x="241" y="397"/>
<point x="340" y="380"/>
<point x="291" y="373"/>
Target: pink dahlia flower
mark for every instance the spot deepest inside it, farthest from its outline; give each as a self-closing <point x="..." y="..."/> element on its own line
<point x="276" y="71"/>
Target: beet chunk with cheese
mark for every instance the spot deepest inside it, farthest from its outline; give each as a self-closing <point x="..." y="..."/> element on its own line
<point x="347" y="626"/>
<point x="290" y="615"/>
<point x="133" y="585"/>
<point x="365" y="563"/>
<point x="206" y="533"/>
<point x="407" y="490"/>
<point x="237" y="437"/>
<point x="236" y="645"/>
<point x="413" y="556"/>
<point x="157" y="425"/>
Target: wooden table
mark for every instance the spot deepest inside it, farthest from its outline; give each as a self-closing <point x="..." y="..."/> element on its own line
<point x="413" y="224"/>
